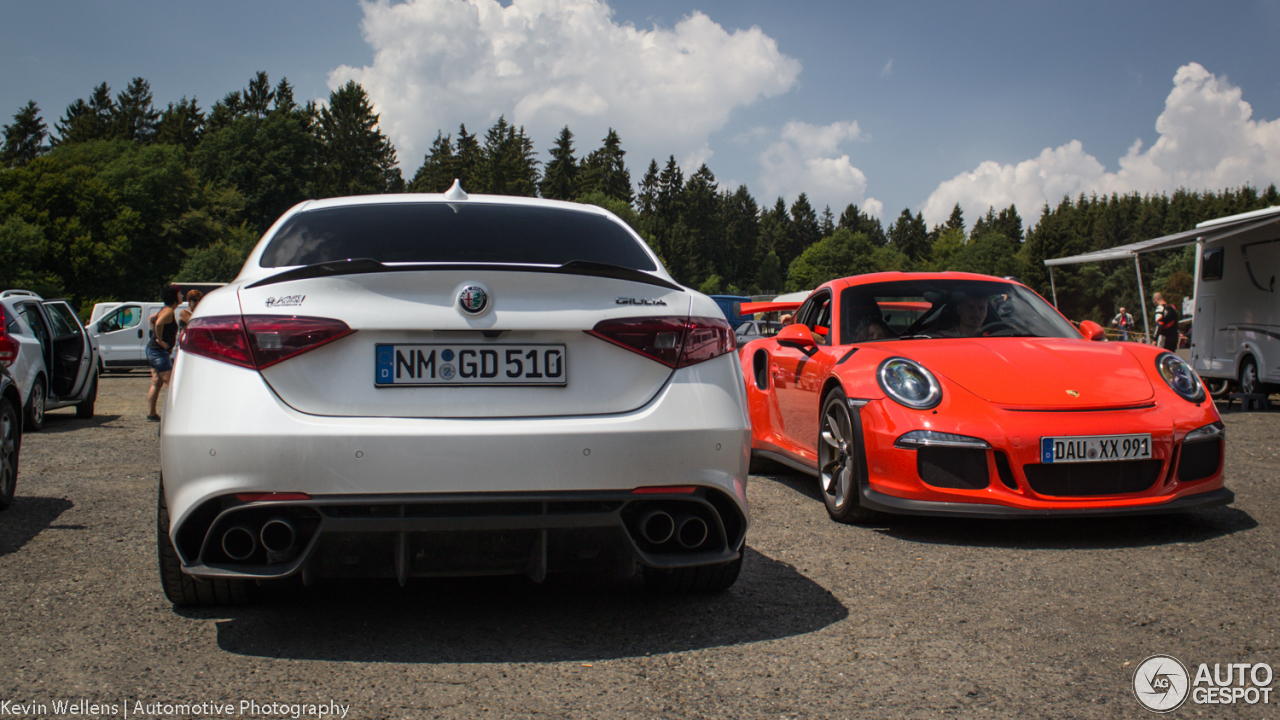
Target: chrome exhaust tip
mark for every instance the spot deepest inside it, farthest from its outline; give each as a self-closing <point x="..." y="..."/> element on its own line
<point x="657" y="526"/>
<point x="277" y="535"/>
<point x="239" y="543"/>
<point x="693" y="532"/>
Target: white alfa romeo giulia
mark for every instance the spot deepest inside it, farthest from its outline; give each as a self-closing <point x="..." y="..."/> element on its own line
<point x="423" y="385"/>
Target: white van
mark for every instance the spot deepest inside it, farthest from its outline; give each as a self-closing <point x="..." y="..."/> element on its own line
<point x="122" y="334"/>
<point x="1236" y="330"/>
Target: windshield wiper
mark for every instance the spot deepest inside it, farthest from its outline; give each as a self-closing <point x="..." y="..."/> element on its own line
<point x="364" y="266"/>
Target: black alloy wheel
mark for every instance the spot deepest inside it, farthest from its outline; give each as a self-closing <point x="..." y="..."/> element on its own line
<point x="10" y="443"/>
<point x="841" y="463"/>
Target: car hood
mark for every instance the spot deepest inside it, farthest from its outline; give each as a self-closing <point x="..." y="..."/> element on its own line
<point x="1037" y="372"/>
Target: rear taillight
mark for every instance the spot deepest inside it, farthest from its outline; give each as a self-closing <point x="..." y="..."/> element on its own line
<point x="673" y="342"/>
<point x="8" y="346"/>
<point x="259" y="341"/>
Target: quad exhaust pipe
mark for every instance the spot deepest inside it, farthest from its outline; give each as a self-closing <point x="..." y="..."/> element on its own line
<point x="657" y="526"/>
<point x="278" y="535"/>
<point x="692" y="533"/>
<point x="239" y="543"/>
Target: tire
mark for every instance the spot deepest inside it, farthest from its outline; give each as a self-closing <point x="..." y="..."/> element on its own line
<point x="35" y="407"/>
<point x="1218" y="388"/>
<point x="701" y="579"/>
<point x="84" y="409"/>
<point x="10" y="444"/>
<point x="181" y="588"/>
<point x="841" y="462"/>
<point x="1249" y="383"/>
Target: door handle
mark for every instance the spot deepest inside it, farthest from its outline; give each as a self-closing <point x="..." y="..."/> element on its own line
<point x="139" y="333"/>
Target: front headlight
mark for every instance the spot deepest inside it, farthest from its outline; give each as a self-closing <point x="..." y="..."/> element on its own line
<point x="1180" y="377"/>
<point x="909" y="384"/>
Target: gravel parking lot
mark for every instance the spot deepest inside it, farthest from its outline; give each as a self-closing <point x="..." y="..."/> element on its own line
<point x="911" y="618"/>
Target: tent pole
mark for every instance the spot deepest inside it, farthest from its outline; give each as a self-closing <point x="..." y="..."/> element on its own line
<point x="1142" y="296"/>
<point x="1053" y="287"/>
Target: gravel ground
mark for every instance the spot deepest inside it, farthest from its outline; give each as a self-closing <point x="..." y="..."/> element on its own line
<point x="912" y="618"/>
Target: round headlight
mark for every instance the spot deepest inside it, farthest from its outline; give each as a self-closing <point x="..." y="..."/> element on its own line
<point x="909" y="384"/>
<point x="1180" y="377"/>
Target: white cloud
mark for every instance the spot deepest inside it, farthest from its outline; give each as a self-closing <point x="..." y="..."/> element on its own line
<point x="806" y="158"/>
<point x="550" y="63"/>
<point x="1208" y="141"/>
<point x="887" y="69"/>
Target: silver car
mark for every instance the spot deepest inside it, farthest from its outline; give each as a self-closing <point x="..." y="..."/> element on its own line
<point x="55" y="362"/>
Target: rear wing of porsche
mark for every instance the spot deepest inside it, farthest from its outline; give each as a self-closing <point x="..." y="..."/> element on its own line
<point x="764" y="307"/>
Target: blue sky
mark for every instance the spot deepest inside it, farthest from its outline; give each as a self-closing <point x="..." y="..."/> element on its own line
<point x="888" y="105"/>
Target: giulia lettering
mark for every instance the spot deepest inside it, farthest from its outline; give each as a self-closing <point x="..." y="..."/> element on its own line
<point x="640" y="301"/>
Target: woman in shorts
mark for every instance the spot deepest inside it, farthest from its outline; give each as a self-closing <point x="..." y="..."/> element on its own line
<point x="164" y="336"/>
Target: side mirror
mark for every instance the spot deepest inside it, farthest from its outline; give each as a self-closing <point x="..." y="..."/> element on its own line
<point x="796" y="336"/>
<point x="1092" y="331"/>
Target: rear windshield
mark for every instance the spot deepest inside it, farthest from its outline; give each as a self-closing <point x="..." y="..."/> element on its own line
<point x="453" y="233"/>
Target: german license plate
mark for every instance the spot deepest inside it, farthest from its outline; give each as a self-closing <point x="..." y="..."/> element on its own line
<point x="470" y="364"/>
<point x="1094" y="448"/>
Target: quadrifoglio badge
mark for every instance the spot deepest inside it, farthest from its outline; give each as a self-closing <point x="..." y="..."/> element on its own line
<point x="1163" y="684"/>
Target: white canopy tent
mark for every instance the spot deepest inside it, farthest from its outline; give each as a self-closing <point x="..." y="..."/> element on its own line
<point x="1205" y="232"/>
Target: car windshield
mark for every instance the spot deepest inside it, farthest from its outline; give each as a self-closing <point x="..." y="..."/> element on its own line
<point x="941" y="308"/>
<point x="453" y="233"/>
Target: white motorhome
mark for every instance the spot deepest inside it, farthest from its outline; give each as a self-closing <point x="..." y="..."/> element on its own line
<point x="1236" y="325"/>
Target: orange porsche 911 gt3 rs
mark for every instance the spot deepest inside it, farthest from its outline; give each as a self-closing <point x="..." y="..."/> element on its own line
<point x="969" y="395"/>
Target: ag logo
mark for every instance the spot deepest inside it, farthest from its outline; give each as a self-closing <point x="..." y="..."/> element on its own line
<point x="1161" y="683"/>
<point x="473" y="299"/>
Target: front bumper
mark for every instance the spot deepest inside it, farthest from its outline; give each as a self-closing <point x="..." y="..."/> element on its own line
<point x="901" y="506"/>
<point x="1008" y="479"/>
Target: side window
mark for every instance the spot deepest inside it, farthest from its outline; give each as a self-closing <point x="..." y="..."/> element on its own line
<point x="31" y="314"/>
<point x="64" y="323"/>
<point x="816" y="314"/>
<point x="1211" y="264"/>
<point x="122" y="318"/>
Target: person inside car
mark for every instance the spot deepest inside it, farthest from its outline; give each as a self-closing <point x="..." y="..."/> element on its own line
<point x="972" y="312"/>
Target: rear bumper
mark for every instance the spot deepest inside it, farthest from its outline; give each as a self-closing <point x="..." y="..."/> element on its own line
<point x="226" y="433"/>
<point x="462" y="534"/>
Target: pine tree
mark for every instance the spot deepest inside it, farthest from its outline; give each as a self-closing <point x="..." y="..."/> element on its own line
<point x="258" y="96"/>
<point x="605" y="170"/>
<point x="956" y="221"/>
<point x="135" y="116"/>
<point x="180" y="124"/>
<point x="804" y="230"/>
<point x="910" y="236"/>
<point x="437" y="172"/>
<point x="468" y="162"/>
<point x="85" y="121"/>
<point x="510" y="167"/>
<point x="24" y="139"/>
<point x="828" y="223"/>
<point x="357" y="158"/>
<point x="647" y="200"/>
<point x="561" y="178"/>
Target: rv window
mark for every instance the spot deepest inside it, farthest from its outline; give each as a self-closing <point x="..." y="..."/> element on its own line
<point x="1211" y="264"/>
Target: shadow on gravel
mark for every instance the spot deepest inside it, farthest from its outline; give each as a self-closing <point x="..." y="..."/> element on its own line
<point x="481" y="620"/>
<point x="55" y="423"/>
<point x="29" y="516"/>
<point x="1050" y="533"/>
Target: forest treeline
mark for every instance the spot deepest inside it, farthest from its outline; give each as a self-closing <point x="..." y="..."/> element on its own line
<point x="121" y="197"/>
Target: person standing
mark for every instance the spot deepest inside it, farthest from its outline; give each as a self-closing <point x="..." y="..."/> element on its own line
<point x="1166" y="323"/>
<point x="160" y="349"/>
<point x="1124" y="321"/>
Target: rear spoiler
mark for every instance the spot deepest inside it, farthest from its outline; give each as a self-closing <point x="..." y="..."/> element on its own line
<point x="763" y="307"/>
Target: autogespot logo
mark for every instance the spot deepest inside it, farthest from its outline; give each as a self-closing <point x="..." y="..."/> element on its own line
<point x="1161" y="683"/>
